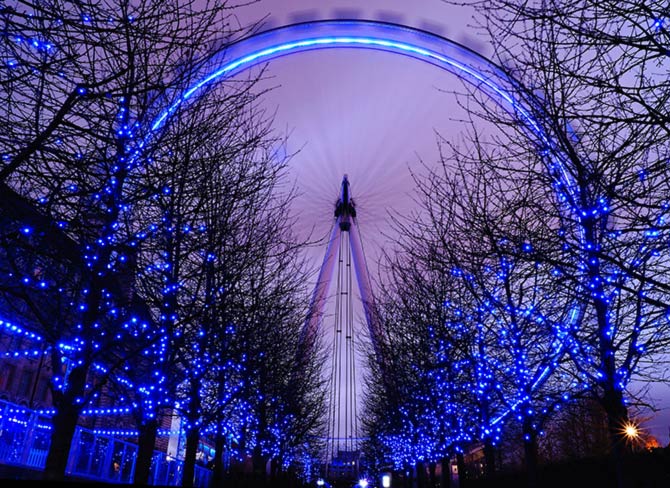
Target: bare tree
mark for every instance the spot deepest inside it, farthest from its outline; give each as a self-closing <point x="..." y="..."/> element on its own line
<point x="488" y="322"/>
<point x="592" y="77"/>
<point x="204" y="161"/>
<point x="79" y="96"/>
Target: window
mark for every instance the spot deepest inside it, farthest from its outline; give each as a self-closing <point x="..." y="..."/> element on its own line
<point x="25" y="384"/>
<point x="7" y="377"/>
<point x="42" y="393"/>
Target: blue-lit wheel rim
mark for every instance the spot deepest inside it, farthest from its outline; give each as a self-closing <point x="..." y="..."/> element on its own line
<point x="469" y="66"/>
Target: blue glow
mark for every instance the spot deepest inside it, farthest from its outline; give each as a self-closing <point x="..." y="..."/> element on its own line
<point x="426" y="55"/>
<point x="352" y="41"/>
<point x="480" y="80"/>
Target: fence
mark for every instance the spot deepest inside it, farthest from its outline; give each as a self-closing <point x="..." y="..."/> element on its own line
<point x="24" y="441"/>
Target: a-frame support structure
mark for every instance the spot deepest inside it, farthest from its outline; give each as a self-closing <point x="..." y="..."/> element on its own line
<point x="345" y="221"/>
<point x="341" y="451"/>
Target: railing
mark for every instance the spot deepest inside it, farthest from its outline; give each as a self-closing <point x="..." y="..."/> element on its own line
<point x="25" y="437"/>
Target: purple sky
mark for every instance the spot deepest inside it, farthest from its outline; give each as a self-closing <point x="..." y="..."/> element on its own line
<point x="370" y="115"/>
<point x="365" y="113"/>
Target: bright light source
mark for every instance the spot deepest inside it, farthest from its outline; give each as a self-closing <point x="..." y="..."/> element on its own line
<point x="363" y="483"/>
<point x="386" y="481"/>
<point x="631" y="431"/>
<point x="320" y="482"/>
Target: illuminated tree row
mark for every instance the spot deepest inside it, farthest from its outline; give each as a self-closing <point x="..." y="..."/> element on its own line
<point x="154" y="265"/>
<point x="547" y="255"/>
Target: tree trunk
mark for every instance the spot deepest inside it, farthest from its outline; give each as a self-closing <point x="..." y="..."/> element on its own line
<point x="145" y="452"/>
<point x="217" y="468"/>
<point x="530" y="454"/>
<point x="259" y="465"/>
<point x="420" y="475"/>
<point x="612" y="401"/>
<point x="489" y="459"/>
<point x="617" y="419"/>
<point x="460" y="466"/>
<point x="192" y="434"/>
<point x="192" y="439"/>
<point x="409" y="481"/>
<point x="445" y="478"/>
<point x="64" y="425"/>
<point x="274" y="472"/>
